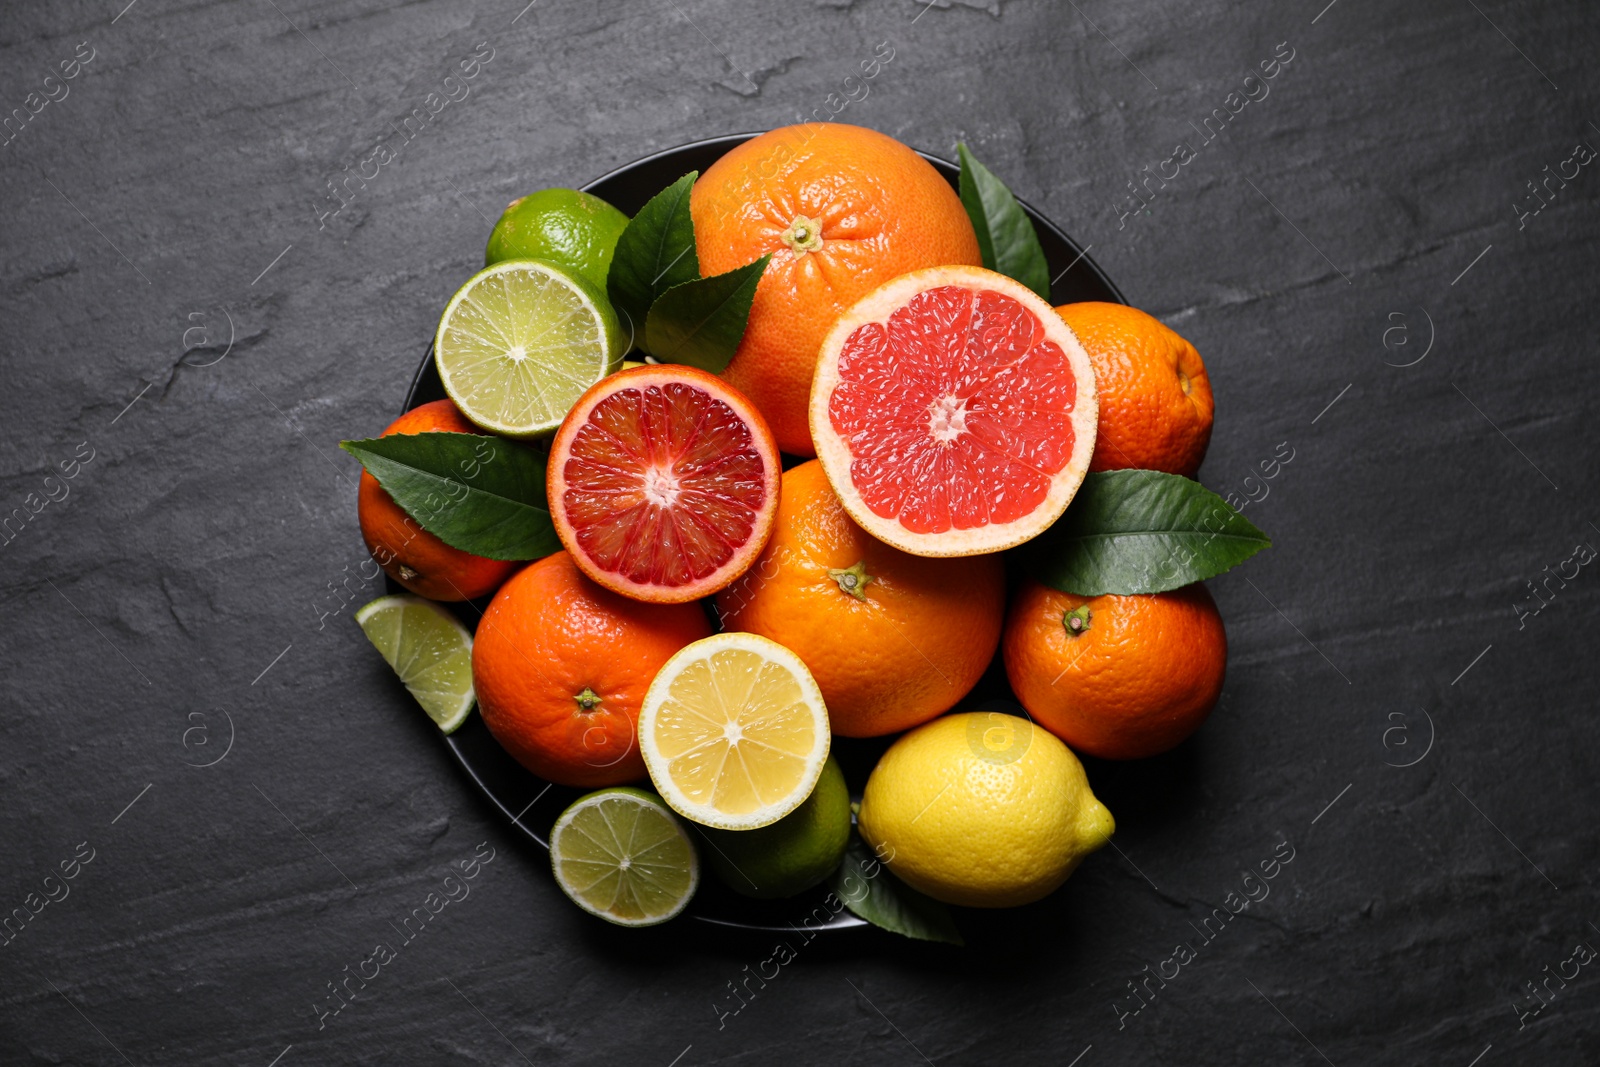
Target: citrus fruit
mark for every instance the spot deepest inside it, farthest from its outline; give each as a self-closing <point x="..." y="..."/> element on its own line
<point x="562" y="667"/>
<point x="891" y="638"/>
<point x="563" y="227"/>
<point x="953" y="411"/>
<point x="409" y="554"/>
<point x="622" y="855"/>
<point x="734" y="732"/>
<point x="842" y="209"/>
<point x="1119" y="677"/>
<point x="430" y="651"/>
<point x="794" y="853"/>
<point x="663" y="483"/>
<point x="521" y="341"/>
<point x="982" y="809"/>
<point x="1155" y="397"/>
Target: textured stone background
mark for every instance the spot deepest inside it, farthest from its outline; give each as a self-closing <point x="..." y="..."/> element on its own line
<point x="176" y="188"/>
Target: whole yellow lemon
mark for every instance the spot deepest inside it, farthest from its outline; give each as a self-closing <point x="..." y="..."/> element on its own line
<point x="982" y="809"/>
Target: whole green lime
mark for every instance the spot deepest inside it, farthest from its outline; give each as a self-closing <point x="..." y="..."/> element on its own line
<point x="560" y="226"/>
<point x="792" y="854"/>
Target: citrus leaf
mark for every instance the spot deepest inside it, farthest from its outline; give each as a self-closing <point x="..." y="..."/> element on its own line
<point x="701" y="322"/>
<point x="1006" y="237"/>
<point x="483" y="495"/>
<point x="654" y="253"/>
<point x="1135" y="531"/>
<point x="870" y="891"/>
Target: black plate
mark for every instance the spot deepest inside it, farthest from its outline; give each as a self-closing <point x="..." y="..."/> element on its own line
<point x="532" y="804"/>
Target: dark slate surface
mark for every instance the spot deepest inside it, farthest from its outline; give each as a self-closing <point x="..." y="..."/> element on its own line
<point x="185" y="581"/>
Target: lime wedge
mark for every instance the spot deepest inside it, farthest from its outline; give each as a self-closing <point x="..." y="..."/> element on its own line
<point x="429" y="649"/>
<point x="622" y="855"/>
<point x="521" y="341"/>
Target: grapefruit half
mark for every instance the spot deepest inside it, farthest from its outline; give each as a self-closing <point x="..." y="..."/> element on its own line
<point x="663" y="483"/>
<point x="954" y="412"/>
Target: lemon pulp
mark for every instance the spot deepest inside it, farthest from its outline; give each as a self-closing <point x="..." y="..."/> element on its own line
<point x="734" y="731"/>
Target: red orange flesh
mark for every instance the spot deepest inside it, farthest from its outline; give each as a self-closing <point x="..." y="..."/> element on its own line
<point x="663" y="483"/>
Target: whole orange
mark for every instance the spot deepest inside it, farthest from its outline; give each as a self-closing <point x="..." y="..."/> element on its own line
<point x="1119" y="677"/>
<point x="842" y="210"/>
<point x="1155" y="397"/>
<point x="892" y="639"/>
<point x="409" y="554"/>
<point x="561" y="666"/>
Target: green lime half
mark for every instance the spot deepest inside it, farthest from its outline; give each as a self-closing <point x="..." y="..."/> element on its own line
<point x="622" y="854"/>
<point x="429" y="649"/>
<point x="792" y="854"/>
<point x="521" y="341"/>
<point x="561" y="226"/>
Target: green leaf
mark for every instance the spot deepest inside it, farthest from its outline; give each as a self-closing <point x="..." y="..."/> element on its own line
<point x="701" y="322"/>
<point x="870" y="891"/>
<point x="483" y="495"/>
<point x="654" y="253"/>
<point x="1138" y="531"/>
<point x="1005" y="234"/>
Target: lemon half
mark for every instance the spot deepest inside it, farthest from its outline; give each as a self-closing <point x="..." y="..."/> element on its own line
<point x="734" y="731"/>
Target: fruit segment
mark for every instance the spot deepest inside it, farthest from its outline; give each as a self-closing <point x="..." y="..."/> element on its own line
<point x="430" y="651"/>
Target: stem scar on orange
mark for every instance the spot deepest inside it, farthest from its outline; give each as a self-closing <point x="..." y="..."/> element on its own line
<point x="561" y="667"/>
<point x="842" y="209"/>
<point x="409" y="554"/>
<point x="1119" y="677"/>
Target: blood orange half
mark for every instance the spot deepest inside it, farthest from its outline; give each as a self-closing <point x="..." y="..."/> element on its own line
<point x="954" y="412"/>
<point x="663" y="483"/>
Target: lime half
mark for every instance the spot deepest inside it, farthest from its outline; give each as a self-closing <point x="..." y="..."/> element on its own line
<point x="622" y="855"/>
<point x="429" y="649"/>
<point x="521" y="341"/>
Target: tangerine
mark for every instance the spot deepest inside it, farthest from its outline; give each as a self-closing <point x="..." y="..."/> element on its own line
<point x="409" y="554"/>
<point x="561" y="666"/>
<point x="1119" y="677"/>
<point x="1155" y="397"/>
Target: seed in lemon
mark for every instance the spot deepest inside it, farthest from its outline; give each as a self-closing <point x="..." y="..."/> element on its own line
<point x="734" y="732"/>
<point x="521" y="341"/>
<point x="982" y="809"/>
<point x="621" y="855"/>
<point x="429" y="649"/>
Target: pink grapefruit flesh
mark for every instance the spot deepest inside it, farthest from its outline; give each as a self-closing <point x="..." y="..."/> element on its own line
<point x="954" y="412"/>
<point x="663" y="483"/>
